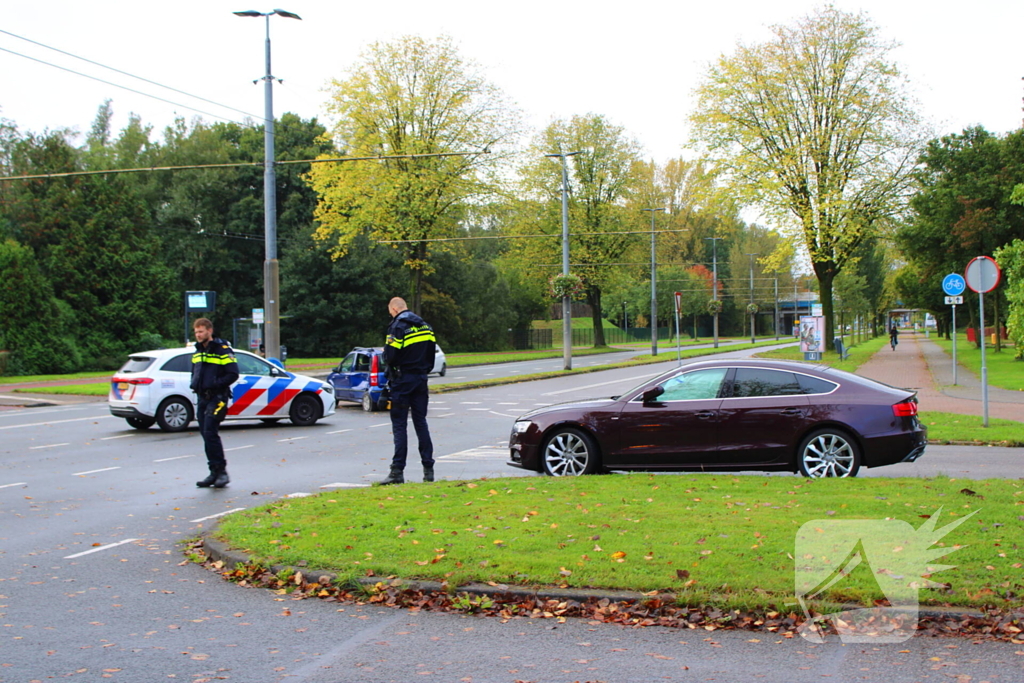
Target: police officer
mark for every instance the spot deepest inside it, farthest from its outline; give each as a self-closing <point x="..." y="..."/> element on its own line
<point x="214" y="370"/>
<point x="409" y="354"/>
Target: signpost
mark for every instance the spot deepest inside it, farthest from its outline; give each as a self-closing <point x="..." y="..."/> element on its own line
<point x="812" y="336"/>
<point x="198" y="302"/>
<point x="954" y="285"/>
<point x="982" y="276"/>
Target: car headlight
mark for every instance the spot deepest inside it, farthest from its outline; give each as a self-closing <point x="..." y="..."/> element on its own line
<point x="327" y="388"/>
<point x="521" y="427"/>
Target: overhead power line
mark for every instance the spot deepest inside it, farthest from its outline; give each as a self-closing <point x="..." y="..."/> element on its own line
<point x="116" y="85"/>
<point x="125" y="73"/>
<point x="512" y="237"/>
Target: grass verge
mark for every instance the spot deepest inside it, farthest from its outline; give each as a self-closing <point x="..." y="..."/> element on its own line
<point x="857" y="356"/>
<point x="1002" y="370"/>
<point x="953" y="428"/>
<point x="52" y="378"/>
<point x="735" y="549"/>
<point x="98" y="389"/>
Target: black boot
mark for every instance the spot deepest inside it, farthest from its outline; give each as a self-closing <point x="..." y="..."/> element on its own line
<point x="209" y="481"/>
<point x="428" y="473"/>
<point x="396" y="477"/>
<point x="222" y="479"/>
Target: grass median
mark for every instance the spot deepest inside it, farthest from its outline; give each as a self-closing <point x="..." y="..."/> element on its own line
<point x="721" y="540"/>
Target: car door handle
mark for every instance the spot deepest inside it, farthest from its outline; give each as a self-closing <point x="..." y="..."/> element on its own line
<point x="705" y="414"/>
<point x="792" y="411"/>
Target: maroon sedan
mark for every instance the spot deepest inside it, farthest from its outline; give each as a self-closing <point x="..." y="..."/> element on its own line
<point x="724" y="415"/>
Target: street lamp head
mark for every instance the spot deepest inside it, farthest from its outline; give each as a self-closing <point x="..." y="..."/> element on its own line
<point x="281" y="12"/>
<point x="249" y="13"/>
<point x="290" y="15"/>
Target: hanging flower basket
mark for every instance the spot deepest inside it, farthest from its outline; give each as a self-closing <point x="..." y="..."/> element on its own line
<point x="714" y="307"/>
<point x="752" y="309"/>
<point x="566" y="286"/>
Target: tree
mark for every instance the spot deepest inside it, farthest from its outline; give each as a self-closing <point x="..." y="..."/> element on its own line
<point x="1011" y="260"/>
<point x="409" y="97"/>
<point x="814" y="125"/>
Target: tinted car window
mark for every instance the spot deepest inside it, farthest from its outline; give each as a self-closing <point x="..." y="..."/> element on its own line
<point x="693" y="386"/>
<point x="182" y="363"/>
<point x="362" y="363"/>
<point x="137" y="364"/>
<point x="750" y="382"/>
<point x="250" y="365"/>
<point x="813" y="385"/>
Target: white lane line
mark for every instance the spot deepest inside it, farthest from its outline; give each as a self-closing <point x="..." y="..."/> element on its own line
<point x="219" y="514"/>
<point x="340" y="431"/>
<point x="343" y="485"/>
<point x="7" y="486"/>
<point x="470" y="403"/>
<point x="292" y="438"/>
<point x="39" y="411"/>
<point x="509" y="404"/>
<point x="502" y="414"/>
<point x="177" y="457"/>
<point x="632" y="379"/>
<point x="51" y="445"/>
<point x="105" y="469"/>
<point x="123" y="436"/>
<point x="298" y="494"/>
<point x="57" y="422"/>
<point x="443" y="415"/>
<point x="382" y="424"/>
<point x="477" y="408"/>
<point x="238" y="448"/>
<point x="102" y="547"/>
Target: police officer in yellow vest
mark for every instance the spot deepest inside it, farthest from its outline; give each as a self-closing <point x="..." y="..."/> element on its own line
<point x="409" y="354"/>
<point x="214" y="370"/>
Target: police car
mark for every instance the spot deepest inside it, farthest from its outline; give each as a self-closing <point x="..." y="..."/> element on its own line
<point x="153" y="387"/>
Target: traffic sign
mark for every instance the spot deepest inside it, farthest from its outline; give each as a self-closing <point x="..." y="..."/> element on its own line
<point x="954" y="300"/>
<point x="982" y="274"/>
<point x="954" y="284"/>
<point x="257" y="316"/>
<point x="679" y="302"/>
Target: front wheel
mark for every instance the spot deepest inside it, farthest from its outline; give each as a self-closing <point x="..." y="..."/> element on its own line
<point x="570" y="452"/>
<point x="828" y="453"/>
<point x="174" y="414"/>
<point x="305" y="410"/>
<point x="140" y="422"/>
<point x="369" y="405"/>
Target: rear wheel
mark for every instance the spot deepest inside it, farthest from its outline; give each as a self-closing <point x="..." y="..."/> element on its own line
<point x="369" y="405"/>
<point x="305" y="410"/>
<point x="140" y="422"/>
<point x="444" y="369"/>
<point x="174" y="414"/>
<point x="570" y="452"/>
<point x="828" y="453"/>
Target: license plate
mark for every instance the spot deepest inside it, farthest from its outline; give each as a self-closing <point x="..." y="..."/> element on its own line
<point x="122" y="386"/>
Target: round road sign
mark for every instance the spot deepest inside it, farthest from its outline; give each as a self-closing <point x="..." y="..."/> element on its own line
<point x="954" y="284"/>
<point x="982" y="274"/>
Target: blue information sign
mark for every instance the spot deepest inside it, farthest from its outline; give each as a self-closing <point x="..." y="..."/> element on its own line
<point x="954" y="284"/>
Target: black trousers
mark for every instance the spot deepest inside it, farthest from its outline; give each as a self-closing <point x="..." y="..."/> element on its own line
<point x="209" y="427"/>
<point x="409" y="393"/>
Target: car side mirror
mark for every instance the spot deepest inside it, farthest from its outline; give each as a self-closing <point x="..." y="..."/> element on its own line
<point x="274" y="372"/>
<point x="651" y="395"/>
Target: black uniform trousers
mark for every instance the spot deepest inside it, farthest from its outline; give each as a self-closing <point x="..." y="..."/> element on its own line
<point x="409" y="393"/>
<point x="209" y="427"/>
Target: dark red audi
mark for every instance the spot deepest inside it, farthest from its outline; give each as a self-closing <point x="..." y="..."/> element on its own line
<point x="724" y="415"/>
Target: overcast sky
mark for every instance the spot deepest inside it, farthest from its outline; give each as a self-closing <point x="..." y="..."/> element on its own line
<point x="635" y="62"/>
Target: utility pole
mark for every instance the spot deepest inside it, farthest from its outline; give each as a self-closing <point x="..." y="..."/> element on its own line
<point x="654" y="287"/>
<point x="566" y="302"/>
<point x="271" y="272"/>
<point x="714" y="279"/>
<point x="753" y="316"/>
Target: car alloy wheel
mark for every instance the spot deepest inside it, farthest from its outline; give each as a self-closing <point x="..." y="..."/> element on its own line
<point x="305" y="410"/>
<point x="570" y="453"/>
<point x="174" y="414"/>
<point x="829" y="453"/>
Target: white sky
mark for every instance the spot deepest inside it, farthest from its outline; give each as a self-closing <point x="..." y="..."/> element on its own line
<point x="634" y="62"/>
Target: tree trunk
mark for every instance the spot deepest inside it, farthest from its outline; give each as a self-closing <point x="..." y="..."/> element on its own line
<point x="826" y="274"/>
<point x="594" y="297"/>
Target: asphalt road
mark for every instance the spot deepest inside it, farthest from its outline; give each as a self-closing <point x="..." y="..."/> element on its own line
<point x="92" y="585"/>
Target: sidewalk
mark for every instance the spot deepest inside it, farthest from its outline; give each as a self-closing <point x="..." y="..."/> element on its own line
<point x="922" y="365"/>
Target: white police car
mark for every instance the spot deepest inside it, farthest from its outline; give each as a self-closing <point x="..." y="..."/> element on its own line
<point x="153" y="387"/>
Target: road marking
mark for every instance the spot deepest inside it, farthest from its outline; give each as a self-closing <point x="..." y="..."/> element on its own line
<point x="382" y="424"/>
<point x="40" y="411"/>
<point x="470" y="403"/>
<point x="102" y="547"/>
<point x="292" y="438"/>
<point x="343" y="485"/>
<point x="52" y="445"/>
<point x="634" y="378"/>
<point x="105" y="469"/>
<point x="219" y="514"/>
<point x="340" y="431"/>
<point x="123" y="436"/>
<point x="7" y="486"/>
<point x="443" y="415"/>
<point x="298" y="494"/>
<point x="479" y="453"/>
<point x="477" y="408"/>
<point x="492" y="412"/>
<point x="238" y="448"/>
<point x="57" y="422"/>
<point x="177" y="457"/>
<point x="509" y="404"/>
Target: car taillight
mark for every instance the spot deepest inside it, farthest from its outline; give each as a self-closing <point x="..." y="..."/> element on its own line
<point x="374" y="372"/>
<point x="133" y="380"/>
<point x="905" y="409"/>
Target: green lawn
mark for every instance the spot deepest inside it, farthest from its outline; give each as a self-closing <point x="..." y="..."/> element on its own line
<point x="96" y="389"/>
<point x="50" y="378"/>
<point x="712" y="539"/>
<point x="857" y="356"/>
<point x="967" y="429"/>
<point x="1003" y="370"/>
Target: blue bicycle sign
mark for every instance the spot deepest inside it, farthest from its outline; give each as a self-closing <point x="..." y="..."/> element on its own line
<point x="954" y="284"/>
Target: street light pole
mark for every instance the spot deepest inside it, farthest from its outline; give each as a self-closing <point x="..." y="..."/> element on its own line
<point x="566" y="302"/>
<point x="753" y="316"/>
<point x="271" y="273"/>
<point x="654" y="287"/>
<point x="714" y="278"/>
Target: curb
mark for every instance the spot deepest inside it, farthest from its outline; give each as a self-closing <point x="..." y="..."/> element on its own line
<point x="219" y="551"/>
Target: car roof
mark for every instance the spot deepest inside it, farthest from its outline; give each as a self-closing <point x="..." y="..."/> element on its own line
<point x="162" y="353"/>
